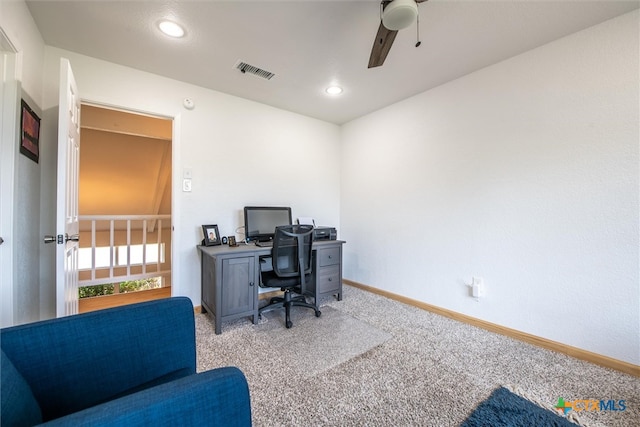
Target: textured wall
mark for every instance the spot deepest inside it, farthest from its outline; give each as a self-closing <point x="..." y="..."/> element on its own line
<point x="524" y="173"/>
<point x="27" y="236"/>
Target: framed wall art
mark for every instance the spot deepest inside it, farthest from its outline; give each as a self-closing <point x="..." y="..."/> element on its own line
<point x="29" y="133"/>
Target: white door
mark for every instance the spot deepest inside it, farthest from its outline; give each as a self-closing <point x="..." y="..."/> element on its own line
<point x="67" y="194"/>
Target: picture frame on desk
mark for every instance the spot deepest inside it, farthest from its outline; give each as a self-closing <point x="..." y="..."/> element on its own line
<point x="211" y="235"/>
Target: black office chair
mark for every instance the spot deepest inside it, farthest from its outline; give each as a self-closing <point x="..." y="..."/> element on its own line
<point x="291" y="260"/>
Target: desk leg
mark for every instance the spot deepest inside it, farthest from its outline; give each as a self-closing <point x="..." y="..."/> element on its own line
<point x="218" y="325"/>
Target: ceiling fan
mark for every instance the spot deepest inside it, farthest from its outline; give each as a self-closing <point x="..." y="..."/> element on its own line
<point x="395" y="15"/>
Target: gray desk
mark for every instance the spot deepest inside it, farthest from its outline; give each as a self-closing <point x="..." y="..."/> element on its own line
<point x="230" y="278"/>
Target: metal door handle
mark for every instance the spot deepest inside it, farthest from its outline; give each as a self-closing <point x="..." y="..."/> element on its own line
<point x="49" y="238"/>
<point x="60" y="239"/>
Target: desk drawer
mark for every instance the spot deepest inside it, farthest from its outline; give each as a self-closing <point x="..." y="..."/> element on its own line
<point x="329" y="256"/>
<point x="329" y="279"/>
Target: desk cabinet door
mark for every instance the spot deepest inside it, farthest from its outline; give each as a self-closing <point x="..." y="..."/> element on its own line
<point x="238" y="285"/>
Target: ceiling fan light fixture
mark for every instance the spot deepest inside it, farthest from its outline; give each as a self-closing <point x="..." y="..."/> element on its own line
<point x="334" y="90"/>
<point x="399" y="14"/>
<point x="171" y="29"/>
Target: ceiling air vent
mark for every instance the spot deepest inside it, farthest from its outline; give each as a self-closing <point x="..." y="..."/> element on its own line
<point x="251" y="69"/>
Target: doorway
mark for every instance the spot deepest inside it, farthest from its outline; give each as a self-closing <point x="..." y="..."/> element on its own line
<point x="124" y="206"/>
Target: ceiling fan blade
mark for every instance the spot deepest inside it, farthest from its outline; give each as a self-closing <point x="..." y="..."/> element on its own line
<point x="381" y="46"/>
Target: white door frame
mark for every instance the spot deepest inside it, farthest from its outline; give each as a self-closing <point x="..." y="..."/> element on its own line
<point x="9" y="99"/>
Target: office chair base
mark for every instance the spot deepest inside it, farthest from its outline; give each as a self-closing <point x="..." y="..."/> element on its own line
<point x="286" y="302"/>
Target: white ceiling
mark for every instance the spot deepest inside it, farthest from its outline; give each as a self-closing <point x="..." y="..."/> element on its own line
<point x="312" y="44"/>
<point x="125" y="163"/>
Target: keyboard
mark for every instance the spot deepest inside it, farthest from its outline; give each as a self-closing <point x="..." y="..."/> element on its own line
<point x="267" y="244"/>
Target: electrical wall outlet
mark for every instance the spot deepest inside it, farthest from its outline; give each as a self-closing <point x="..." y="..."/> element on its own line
<point x="477" y="287"/>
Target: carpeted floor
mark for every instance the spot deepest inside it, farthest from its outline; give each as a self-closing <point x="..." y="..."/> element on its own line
<point x="391" y="364"/>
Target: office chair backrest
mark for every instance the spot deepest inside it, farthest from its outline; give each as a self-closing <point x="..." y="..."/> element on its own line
<point x="291" y="252"/>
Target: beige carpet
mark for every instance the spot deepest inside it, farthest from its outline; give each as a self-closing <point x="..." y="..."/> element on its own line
<point x="395" y="365"/>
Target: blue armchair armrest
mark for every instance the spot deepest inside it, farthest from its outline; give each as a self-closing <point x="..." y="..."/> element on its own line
<point x="219" y="397"/>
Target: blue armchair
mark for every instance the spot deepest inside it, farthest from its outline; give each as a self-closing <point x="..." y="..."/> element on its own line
<point x="133" y="365"/>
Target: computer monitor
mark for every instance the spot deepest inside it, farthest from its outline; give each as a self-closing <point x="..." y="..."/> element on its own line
<point x="260" y="222"/>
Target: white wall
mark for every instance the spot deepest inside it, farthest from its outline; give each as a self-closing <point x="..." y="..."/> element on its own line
<point x="239" y="152"/>
<point x="20" y="28"/>
<point x="25" y="236"/>
<point x="524" y="173"/>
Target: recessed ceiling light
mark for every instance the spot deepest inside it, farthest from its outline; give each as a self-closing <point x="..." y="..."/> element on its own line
<point x="334" y="90"/>
<point x="171" y="29"/>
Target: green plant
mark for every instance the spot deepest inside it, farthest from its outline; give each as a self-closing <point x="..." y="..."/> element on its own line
<point x="124" y="287"/>
<point x="96" y="290"/>
<point x="140" y="285"/>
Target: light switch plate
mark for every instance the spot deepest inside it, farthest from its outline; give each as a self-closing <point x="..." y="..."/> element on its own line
<point x="186" y="185"/>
